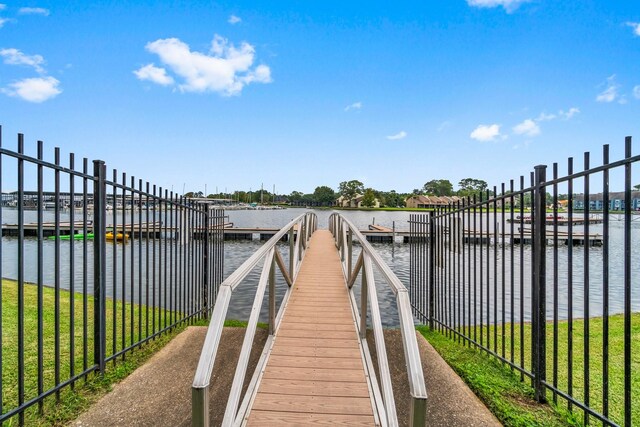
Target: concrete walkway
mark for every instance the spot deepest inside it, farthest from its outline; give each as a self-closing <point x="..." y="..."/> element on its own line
<point x="159" y="393"/>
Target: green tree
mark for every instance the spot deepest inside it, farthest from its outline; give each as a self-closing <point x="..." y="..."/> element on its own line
<point x="391" y="199"/>
<point x="349" y="189"/>
<point x="295" y="196"/>
<point x="369" y="198"/>
<point x="439" y="187"/>
<point x="324" y="196"/>
<point x="470" y="186"/>
<point x="193" y="194"/>
<point x="636" y="187"/>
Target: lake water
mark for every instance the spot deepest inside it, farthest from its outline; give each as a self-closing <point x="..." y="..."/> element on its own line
<point x="396" y="255"/>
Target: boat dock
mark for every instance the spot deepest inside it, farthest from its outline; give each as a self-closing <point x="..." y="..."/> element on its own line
<point x="561" y="221"/>
<point x="375" y="233"/>
<point x="576" y="239"/>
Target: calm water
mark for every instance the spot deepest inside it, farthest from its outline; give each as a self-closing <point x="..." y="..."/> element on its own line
<point x="396" y="255"/>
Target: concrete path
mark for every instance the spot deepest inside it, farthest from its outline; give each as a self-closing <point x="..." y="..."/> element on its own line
<point x="159" y="393"/>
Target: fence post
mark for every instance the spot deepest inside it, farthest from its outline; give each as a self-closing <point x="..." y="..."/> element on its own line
<point x="205" y="281"/>
<point x="431" y="267"/>
<point x="99" y="264"/>
<point x="539" y="317"/>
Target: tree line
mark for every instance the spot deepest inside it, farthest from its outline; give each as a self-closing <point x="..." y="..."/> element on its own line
<point x="324" y="195"/>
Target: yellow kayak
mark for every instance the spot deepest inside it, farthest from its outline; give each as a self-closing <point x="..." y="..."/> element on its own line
<point x="118" y="236"/>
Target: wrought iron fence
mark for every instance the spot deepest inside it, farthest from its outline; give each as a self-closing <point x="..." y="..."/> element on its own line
<point x="92" y="269"/>
<point x="541" y="277"/>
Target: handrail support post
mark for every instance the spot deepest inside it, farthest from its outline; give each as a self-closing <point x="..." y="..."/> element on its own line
<point x="272" y="297"/>
<point x="364" y="291"/>
<point x="349" y="250"/>
<point x="200" y="407"/>
<point x="292" y="259"/>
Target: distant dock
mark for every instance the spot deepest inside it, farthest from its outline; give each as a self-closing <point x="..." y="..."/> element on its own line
<point x="561" y="221"/>
<point x="375" y="233"/>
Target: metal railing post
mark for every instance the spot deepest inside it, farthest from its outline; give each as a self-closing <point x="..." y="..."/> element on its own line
<point x="431" y="267"/>
<point x="292" y="260"/>
<point x="99" y="264"/>
<point x="200" y="407"/>
<point x="364" y="292"/>
<point x="349" y="250"/>
<point x="272" y="297"/>
<point x="539" y="284"/>
<point x="300" y="241"/>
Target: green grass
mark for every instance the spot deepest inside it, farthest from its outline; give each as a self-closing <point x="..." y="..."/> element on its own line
<point x="595" y="368"/>
<point x="500" y="389"/>
<point x="71" y="401"/>
<point x="232" y="323"/>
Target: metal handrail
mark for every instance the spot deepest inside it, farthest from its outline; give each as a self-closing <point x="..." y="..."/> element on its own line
<point x="344" y="232"/>
<point x="306" y="224"/>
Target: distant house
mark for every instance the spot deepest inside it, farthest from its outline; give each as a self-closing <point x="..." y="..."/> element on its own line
<point x="356" y="202"/>
<point x="422" y="202"/>
<point x="616" y="201"/>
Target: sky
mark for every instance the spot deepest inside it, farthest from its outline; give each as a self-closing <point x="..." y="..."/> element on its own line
<point x="234" y="95"/>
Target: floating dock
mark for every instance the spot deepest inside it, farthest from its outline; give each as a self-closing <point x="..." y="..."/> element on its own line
<point x="376" y="233"/>
<point x="561" y="221"/>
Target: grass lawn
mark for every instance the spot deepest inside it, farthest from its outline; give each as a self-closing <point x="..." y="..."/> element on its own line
<point x="85" y="392"/>
<point x="500" y="389"/>
<point x="456" y="354"/>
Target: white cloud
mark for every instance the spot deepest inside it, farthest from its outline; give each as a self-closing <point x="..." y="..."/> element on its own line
<point x="567" y="115"/>
<point x="33" y="11"/>
<point x="561" y="114"/>
<point x="400" y="135"/>
<point x="527" y="128"/>
<point x="16" y="57"/>
<point x="3" y="20"/>
<point x="508" y="5"/>
<point x="636" y="92"/>
<point x="155" y="74"/>
<point x="38" y="89"/>
<point x="233" y="19"/>
<point x="486" y="132"/>
<point x="636" y="27"/>
<point x="609" y="94"/>
<point x="544" y="117"/>
<point x="225" y="69"/>
<point x="354" y="106"/>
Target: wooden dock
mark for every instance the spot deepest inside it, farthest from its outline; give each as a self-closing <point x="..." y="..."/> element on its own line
<point x="315" y="372"/>
<point x="576" y="239"/>
<point x="561" y="221"/>
<point x="158" y="229"/>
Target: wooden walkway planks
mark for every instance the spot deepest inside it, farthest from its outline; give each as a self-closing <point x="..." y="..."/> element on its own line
<point x="315" y="374"/>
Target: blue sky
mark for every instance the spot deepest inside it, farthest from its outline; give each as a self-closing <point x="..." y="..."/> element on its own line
<point x="300" y="94"/>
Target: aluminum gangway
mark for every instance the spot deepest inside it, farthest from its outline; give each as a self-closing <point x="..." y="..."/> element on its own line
<point x="315" y="367"/>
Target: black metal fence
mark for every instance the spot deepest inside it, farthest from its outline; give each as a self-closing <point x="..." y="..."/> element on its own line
<point x="544" y="277"/>
<point x="92" y="268"/>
